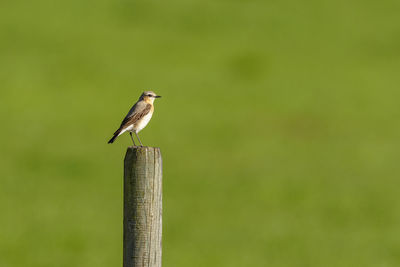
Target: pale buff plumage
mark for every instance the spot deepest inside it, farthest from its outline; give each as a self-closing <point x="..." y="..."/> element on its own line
<point x="138" y="116"/>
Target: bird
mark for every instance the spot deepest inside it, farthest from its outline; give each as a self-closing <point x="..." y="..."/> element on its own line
<point x="138" y="116"/>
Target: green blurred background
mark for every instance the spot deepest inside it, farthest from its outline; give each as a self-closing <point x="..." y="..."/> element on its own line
<point x="279" y="128"/>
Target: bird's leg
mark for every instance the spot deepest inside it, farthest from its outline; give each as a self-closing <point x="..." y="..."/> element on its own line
<point x="138" y="139"/>
<point x="132" y="139"/>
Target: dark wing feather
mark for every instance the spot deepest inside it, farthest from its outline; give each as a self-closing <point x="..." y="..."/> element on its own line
<point x="134" y="115"/>
<point x="138" y="111"/>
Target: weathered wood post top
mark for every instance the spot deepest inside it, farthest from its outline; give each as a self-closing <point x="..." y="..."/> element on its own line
<point x="142" y="207"/>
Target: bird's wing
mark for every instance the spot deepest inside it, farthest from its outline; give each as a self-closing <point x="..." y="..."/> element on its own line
<point x="138" y="111"/>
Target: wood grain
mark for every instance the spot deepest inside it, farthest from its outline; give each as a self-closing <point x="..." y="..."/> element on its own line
<point x="142" y="207"/>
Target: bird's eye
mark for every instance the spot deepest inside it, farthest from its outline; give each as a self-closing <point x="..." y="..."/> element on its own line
<point x="149" y="95"/>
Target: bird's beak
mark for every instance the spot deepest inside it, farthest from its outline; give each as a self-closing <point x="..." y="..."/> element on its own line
<point x="157" y="96"/>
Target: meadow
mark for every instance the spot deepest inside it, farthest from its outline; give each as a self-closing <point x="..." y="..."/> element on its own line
<point x="278" y="126"/>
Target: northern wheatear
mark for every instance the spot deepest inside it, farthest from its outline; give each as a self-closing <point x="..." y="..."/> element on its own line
<point x="138" y="116"/>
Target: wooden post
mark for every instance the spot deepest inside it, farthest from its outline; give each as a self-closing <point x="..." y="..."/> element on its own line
<point x="142" y="207"/>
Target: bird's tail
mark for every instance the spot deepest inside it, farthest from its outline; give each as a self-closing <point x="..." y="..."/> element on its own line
<point x="116" y="134"/>
<point x="112" y="139"/>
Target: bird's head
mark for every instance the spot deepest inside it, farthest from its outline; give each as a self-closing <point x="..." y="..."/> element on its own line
<point x="149" y="96"/>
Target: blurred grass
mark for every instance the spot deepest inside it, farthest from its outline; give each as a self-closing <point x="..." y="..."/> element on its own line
<point x="278" y="126"/>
